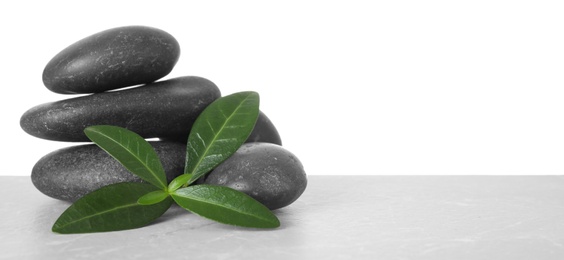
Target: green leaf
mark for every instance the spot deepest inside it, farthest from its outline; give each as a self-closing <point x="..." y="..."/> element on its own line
<point x="113" y="207"/>
<point x="225" y="205"/>
<point x="131" y="150"/>
<point x="179" y="181"/>
<point x="153" y="197"/>
<point x="219" y="131"/>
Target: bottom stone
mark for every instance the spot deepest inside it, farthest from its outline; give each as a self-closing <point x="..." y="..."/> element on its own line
<point x="72" y="172"/>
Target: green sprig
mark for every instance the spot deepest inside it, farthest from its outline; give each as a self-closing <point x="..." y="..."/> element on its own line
<point x="216" y="134"/>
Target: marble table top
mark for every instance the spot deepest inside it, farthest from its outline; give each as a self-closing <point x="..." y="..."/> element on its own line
<point x="338" y="217"/>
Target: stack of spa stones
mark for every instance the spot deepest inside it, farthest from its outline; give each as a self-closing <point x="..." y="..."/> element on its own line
<point x="110" y="60"/>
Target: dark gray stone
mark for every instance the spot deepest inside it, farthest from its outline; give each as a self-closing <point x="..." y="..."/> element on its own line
<point x="267" y="172"/>
<point x="157" y="109"/>
<point x="111" y="59"/>
<point x="72" y="172"/>
<point x="264" y="131"/>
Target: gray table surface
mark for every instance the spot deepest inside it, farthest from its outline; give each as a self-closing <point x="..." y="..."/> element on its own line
<point x="338" y="217"/>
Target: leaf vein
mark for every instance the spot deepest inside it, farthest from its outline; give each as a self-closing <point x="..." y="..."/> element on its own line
<point x="99" y="213"/>
<point x="136" y="156"/>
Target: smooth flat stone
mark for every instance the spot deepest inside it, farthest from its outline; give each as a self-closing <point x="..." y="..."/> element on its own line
<point x="264" y="131"/>
<point x="157" y="109"/>
<point x="267" y="172"/>
<point x="72" y="172"/>
<point x="112" y="59"/>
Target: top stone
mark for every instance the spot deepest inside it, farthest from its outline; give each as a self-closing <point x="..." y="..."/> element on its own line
<point x="112" y="59"/>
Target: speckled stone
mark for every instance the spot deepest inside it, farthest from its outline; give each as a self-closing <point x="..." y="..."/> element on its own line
<point x="264" y="131"/>
<point x="72" y="172"/>
<point x="267" y="172"/>
<point x="112" y="59"/>
<point x="157" y="109"/>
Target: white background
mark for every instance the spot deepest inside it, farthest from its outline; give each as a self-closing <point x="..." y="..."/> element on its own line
<point x="354" y="87"/>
